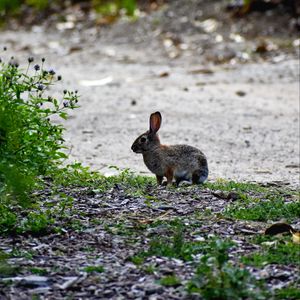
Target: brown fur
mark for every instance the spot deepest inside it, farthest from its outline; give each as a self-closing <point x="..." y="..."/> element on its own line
<point x="180" y="161"/>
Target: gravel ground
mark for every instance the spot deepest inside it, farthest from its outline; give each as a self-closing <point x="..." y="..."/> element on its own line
<point x="114" y="226"/>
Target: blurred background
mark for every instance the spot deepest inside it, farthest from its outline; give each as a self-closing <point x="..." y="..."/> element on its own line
<point x="224" y="74"/>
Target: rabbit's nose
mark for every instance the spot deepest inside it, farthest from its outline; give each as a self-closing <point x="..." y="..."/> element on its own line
<point x="133" y="148"/>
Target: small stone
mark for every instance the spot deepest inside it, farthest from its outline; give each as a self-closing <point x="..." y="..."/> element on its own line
<point x="241" y="93"/>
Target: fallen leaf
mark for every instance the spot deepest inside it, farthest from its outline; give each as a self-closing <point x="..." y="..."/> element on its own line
<point x="201" y="71"/>
<point x="75" y="49"/>
<point x="279" y="228"/>
<point x="164" y="74"/>
<point x="296" y="237"/>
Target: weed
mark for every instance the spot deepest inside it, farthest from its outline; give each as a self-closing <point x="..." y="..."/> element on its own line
<point x="92" y="269"/>
<point x="115" y="7"/>
<point x="6" y="269"/>
<point x="275" y="253"/>
<point x="217" y="278"/>
<point x="112" y="8"/>
<point x="36" y="223"/>
<point x="175" y="245"/>
<point x="150" y="269"/>
<point x="242" y="187"/>
<point x="38" y="271"/>
<point x="170" y="280"/>
<point x="291" y="292"/>
<point x="264" y="210"/>
<point x="16" y="252"/>
<point x="137" y="259"/>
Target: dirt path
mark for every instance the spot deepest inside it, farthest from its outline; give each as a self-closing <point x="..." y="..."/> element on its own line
<point x="245" y="117"/>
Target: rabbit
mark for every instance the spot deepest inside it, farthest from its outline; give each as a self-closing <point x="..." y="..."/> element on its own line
<point x="182" y="162"/>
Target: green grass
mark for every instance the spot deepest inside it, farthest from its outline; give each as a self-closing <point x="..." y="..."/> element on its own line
<point x="173" y="244"/>
<point x="242" y="187"/>
<point x="215" y="281"/>
<point x="38" y="271"/>
<point x="6" y="269"/>
<point x="94" y="269"/>
<point x="272" y="209"/>
<point x="170" y="280"/>
<point x="284" y="253"/>
<point x="217" y="278"/>
<point x="150" y="269"/>
<point x="291" y="292"/>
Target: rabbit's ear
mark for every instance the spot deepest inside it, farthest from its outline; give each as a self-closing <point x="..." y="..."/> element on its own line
<point x="155" y="121"/>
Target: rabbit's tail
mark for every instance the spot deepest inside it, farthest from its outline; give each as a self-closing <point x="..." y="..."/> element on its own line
<point x="199" y="176"/>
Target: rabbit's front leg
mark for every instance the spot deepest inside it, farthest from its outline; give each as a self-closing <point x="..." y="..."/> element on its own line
<point x="169" y="175"/>
<point x="159" y="179"/>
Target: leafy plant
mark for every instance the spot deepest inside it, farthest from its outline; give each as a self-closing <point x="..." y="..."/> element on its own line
<point x="114" y="7"/>
<point x="170" y="280"/>
<point x="31" y="145"/>
<point x="217" y="278"/>
<point x="36" y="223"/>
<point x="173" y="244"/>
<point x="225" y="185"/>
<point x="291" y="292"/>
<point x="274" y="253"/>
<point x="5" y="268"/>
<point x="91" y="269"/>
<point x="104" y="7"/>
<point x="38" y="271"/>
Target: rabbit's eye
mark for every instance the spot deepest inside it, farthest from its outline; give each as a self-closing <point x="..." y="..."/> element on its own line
<point x="143" y="139"/>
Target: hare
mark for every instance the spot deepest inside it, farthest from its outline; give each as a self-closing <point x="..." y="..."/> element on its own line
<point x="185" y="163"/>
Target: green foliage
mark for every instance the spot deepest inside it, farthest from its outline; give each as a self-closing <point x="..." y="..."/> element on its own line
<point x="173" y="244"/>
<point x="31" y="145"/>
<point x="170" y="280"/>
<point x="274" y="208"/>
<point x="8" y="218"/>
<point x="274" y="253"/>
<point x="114" y="7"/>
<point x="38" y="4"/>
<point x="14" y="6"/>
<point x="77" y="175"/>
<point x="9" y="6"/>
<point x="91" y="269"/>
<point x="6" y="269"/>
<point x="150" y="269"/>
<point x="105" y="7"/>
<point x="38" y="271"/>
<point x="229" y="186"/>
<point x="36" y="223"/>
<point x="291" y="292"/>
<point x="217" y="278"/>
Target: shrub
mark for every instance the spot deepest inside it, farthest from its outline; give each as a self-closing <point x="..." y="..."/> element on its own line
<point x="31" y="145"/>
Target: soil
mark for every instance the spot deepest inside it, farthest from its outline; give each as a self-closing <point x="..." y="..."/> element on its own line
<point x="227" y="86"/>
<point x="112" y="227"/>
